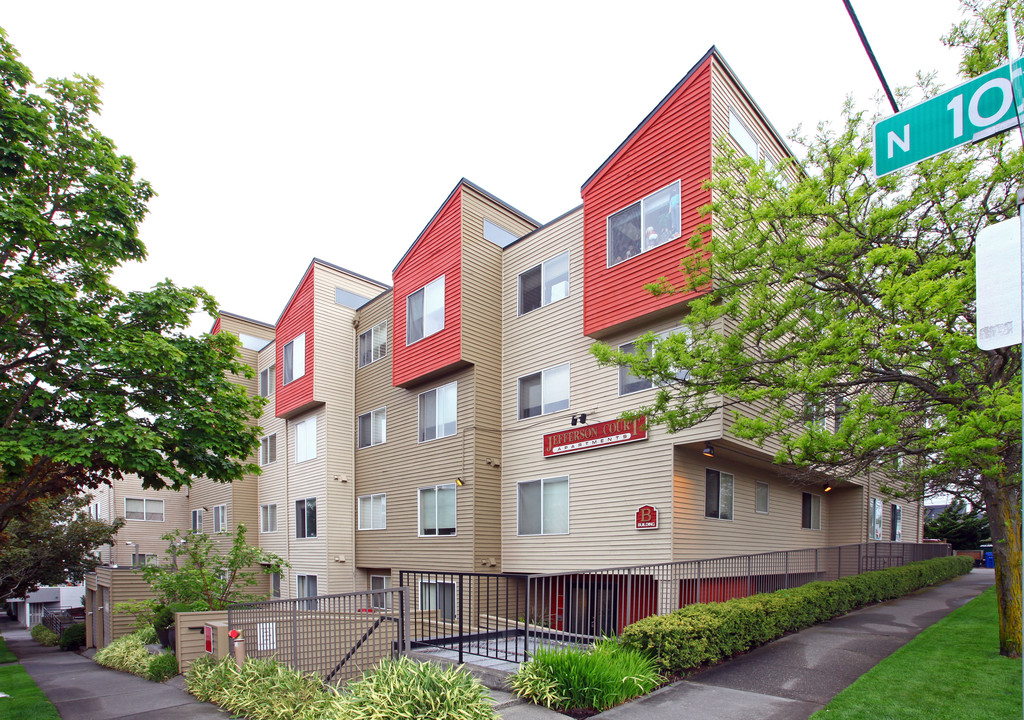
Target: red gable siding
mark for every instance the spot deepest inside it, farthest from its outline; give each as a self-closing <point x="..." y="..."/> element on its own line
<point x="437" y="251"/>
<point x="216" y="327"/>
<point x="296" y="319"/>
<point x="673" y="144"/>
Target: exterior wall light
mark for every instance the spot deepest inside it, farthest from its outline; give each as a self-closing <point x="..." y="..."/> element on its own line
<point x="580" y="419"/>
<point x="708" y="450"/>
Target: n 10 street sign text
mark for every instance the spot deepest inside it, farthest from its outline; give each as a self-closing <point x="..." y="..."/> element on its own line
<point x="970" y="112"/>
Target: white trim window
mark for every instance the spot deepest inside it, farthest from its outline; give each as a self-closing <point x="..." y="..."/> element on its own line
<point x="438" y="412"/>
<point x="268" y="518"/>
<point x="810" y="511"/>
<point x="380" y="600"/>
<point x="268" y="449"/>
<point x="544" y="392"/>
<point x="630" y="383"/>
<point x="372" y="428"/>
<point x="875" y="519"/>
<point x="305" y="439"/>
<point x="437" y="510"/>
<point x="293" y="357"/>
<point x="373" y="344"/>
<point x="267" y="381"/>
<point x="896" y="527"/>
<point x="718" y="494"/>
<point x="305" y="587"/>
<point x="305" y="518"/>
<point x="761" y="497"/>
<point x="424" y="311"/>
<point x="645" y="224"/>
<point x="543" y="506"/>
<point x="373" y="512"/>
<point x="544" y="284"/>
<point x="220" y="518"/>
<point x="743" y="137"/>
<point x="197" y="520"/>
<point x="144" y="509"/>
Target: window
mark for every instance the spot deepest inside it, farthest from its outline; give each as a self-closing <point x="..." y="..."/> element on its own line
<point x="144" y="509"/>
<point x="380" y="600"/>
<point x="293" y="356"/>
<point x="268" y="449"/>
<point x="141" y="559"/>
<point x="305" y="518"/>
<point x="438" y="596"/>
<point x="630" y="383"/>
<point x="438" y="411"/>
<point x="875" y="519"/>
<point x="275" y="585"/>
<point x="267" y="381"/>
<point x="815" y="414"/>
<point x="220" y="518"/>
<point x="717" y="494"/>
<point x="95" y="512"/>
<point x="544" y="283"/>
<point x="810" y="516"/>
<point x="743" y="137"/>
<point x="544" y="506"/>
<point x="372" y="428"/>
<point x="268" y="518"/>
<point x="424" y="311"/>
<point x="896" y="529"/>
<point x="437" y="510"/>
<point x="305" y="440"/>
<point x="544" y="392"/>
<point x="197" y="521"/>
<point x="305" y="587"/>
<point x="373" y="344"/>
<point x="761" y="496"/>
<point x="644" y="225"/>
<point x="373" y="512"/>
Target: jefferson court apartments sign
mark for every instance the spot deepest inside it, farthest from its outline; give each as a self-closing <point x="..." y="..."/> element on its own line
<point x="589" y="437"/>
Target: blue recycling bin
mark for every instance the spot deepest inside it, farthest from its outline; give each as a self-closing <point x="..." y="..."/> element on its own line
<point x="990" y="561"/>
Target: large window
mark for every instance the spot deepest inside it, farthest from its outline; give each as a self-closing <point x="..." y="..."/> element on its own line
<point x="544" y="506"/>
<point x="875" y="519"/>
<point x="372" y="428"/>
<point x="424" y="311"/>
<point x="742" y="135"/>
<point x="761" y="496"/>
<point x="544" y="392"/>
<point x="220" y="518"/>
<point x="630" y="383"/>
<point x="373" y="512"/>
<point x="810" y="515"/>
<point x="305" y="439"/>
<point x="305" y="587"/>
<point x="718" y="487"/>
<point x="267" y="381"/>
<point x="268" y="449"/>
<point x="268" y="518"/>
<point x="438" y="412"/>
<point x="144" y="509"/>
<point x="305" y="518"/>
<point x="293" y="357"/>
<point x="197" y="520"/>
<point x="373" y="344"/>
<point x="438" y="596"/>
<point x="544" y="283"/>
<point x="644" y="225"/>
<point x="437" y="510"/>
<point x="896" y="528"/>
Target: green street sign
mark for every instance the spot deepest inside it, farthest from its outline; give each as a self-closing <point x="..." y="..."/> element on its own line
<point x="970" y="112"/>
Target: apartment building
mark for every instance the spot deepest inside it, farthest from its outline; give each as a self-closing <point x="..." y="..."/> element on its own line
<point x="456" y="421"/>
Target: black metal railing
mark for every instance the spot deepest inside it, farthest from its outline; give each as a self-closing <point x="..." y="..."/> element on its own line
<point x="59" y="620"/>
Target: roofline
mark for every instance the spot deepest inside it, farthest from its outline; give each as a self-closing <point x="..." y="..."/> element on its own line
<point x="325" y="263"/>
<point x="318" y="261"/>
<point x="240" y="317"/>
<point x="548" y="224"/>
<point x="458" y="186"/>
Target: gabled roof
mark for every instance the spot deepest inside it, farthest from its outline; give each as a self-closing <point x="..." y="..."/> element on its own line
<point x="309" y="268"/>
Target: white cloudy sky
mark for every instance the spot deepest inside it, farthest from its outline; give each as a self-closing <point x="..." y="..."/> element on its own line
<point x="278" y="132"/>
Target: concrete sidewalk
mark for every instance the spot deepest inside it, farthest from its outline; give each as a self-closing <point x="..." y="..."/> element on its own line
<point x="788" y="679"/>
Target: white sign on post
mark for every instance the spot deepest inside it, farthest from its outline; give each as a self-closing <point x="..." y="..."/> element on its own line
<point x="997" y="275"/>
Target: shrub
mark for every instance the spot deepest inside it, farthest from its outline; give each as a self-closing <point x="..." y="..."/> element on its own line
<point x="700" y="634"/>
<point x="44" y="635"/>
<point x="162" y="666"/>
<point x="73" y="638"/>
<point x="127" y="654"/>
<point x="598" y="679"/>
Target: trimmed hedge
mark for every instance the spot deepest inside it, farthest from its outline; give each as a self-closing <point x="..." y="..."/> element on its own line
<point x="44" y="635"/>
<point x="706" y="633"/>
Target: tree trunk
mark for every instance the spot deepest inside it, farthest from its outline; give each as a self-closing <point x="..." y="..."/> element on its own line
<point x="1002" y="501"/>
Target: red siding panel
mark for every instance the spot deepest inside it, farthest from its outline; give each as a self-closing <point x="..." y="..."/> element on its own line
<point x="296" y="319"/>
<point x="674" y="144"/>
<point x="216" y="327"/>
<point x="437" y="252"/>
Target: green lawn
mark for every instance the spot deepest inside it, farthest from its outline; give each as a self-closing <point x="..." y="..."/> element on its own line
<point x="951" y="671"/>
<point x="26" y="701"/>
<point x="6" y="656"/>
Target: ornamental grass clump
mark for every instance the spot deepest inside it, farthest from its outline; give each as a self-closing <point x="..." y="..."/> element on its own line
<point x="597" y="679"/>
<point x="127" y="654"/>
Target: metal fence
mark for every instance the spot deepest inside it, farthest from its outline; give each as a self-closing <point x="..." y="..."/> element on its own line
<point x="60" y="620"/>
<point x="337" y="637"/>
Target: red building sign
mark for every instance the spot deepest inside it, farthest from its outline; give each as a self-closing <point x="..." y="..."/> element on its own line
<point x="588" y="437"/>
<point x="647" y="517"/>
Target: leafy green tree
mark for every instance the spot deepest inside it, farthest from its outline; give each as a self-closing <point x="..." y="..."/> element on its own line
<point x="94" y="382"/>
<point x="52" y="544"/>
<point x="842" y="307"/>
<point x="962" y="528"/>
<point x="201" y="574"/>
